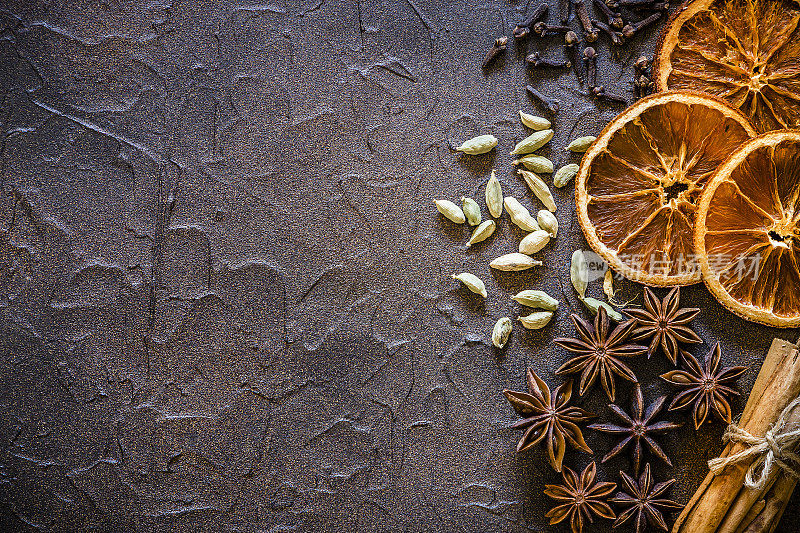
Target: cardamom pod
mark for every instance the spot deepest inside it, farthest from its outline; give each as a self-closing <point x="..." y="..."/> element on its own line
<point x="538" y="299"/>
<point x="514" y="262"/>
<point x="535" y="163"/>
<point x="536" y="320"/>
<point x="520" y="215"/>
<point x="472" y="282"/>
<point x="482" y="232"/>
<point x="594" y="305"/>
<point x="472" y="211"/>
<point x="501" y="332"/>
<point x="478" y="145"/>
<point x="608" y="285"/>
<point x="534" y="242"/>
<point x="581" y="144"/>
<point x="533" y="142"/>
<point x="565" y="174"/>
<point x="548" y="222"/>
<point x="534" y="122"/>
<point x="539" y="188"/>
<point x="494" y="196"/>
<point x="450" y="210"/>
<point x="579" y="273"/>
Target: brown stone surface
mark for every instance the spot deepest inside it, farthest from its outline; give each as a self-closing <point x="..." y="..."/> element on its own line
<point x="225" y="294"/>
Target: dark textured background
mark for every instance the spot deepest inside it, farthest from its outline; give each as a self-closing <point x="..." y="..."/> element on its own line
<point x="225" y="299"/>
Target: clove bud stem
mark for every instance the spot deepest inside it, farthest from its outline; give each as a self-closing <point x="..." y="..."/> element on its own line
<point x="590" y="33"/>
<point x="551" y="104"/>
<point x="600" y="92"/>
<point x="614" y="18"/>
<point x="523" y="29"/>
<point x="616" y="37"/>
<point x="541" y="28"/>
<point x="590" y="58"/>
<point x="630" y="29"/>
<point x="535" y="60"/>
<point x="500" y="45"/>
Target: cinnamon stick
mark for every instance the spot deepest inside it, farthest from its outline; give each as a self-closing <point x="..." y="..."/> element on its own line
<point x="778" y="383"/>
<point x="748" y="497"/>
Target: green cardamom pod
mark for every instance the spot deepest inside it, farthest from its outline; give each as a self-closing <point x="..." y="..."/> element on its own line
<point x="494" y="196"/>
<point x="538" y="299"/>
<point x="472" y="282"/>
<point x="536" y="320"/>
<point x="482" y="232"/>
<point x="539" y="188"/>
<point x="478" y="145"/>
<point x="520" y="215"/>
<point x="514" y="262"/>
<point x="472" y="211"/>
<point x="579" y="273"/>
<point x="450" y="210"/>
<point x="535" y="163"/>
<point x="501" y="332"/>
<point x="548" y="222"/>
<point x="533" y="142"/>
<point x="534" y="122"/>
<point x="594" y="305"/>
<point x="581" y="144"/>
<point x="534" y="242"/>
<point x="565" y="174"/>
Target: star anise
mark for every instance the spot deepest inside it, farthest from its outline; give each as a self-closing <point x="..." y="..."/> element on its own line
<point x="704" y="386"/>
<point x="664" y="323"/>
<point x="637" y="428"/>
<point x="643" y="499"/>
<point x="579" y="497"/>
<point x="548" y="417"/>
<point x="599" y="352"/>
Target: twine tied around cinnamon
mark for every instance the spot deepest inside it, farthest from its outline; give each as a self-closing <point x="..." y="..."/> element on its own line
<point x="772" y="450"/>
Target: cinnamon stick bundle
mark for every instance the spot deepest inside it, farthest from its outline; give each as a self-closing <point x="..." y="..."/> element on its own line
<point x="723" y="504"/>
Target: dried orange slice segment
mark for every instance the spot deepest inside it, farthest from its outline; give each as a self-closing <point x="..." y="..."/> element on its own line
<point x="748" y="230"/>
<point x="745" y="51"/>
<point x="638" y="184"/>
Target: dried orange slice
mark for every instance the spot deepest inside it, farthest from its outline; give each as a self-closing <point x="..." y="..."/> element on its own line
<point x="638" y="184"/>
<point x="748" y="230"/>
<point x="745" y="51"/>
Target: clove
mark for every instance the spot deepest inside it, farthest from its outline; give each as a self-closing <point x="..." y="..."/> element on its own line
<point x="590" y="33"/>
<point x="600" y="92"/>
<point x="570" y="40"/>
<point x="643" y="86"/>
<point x="535" y="60"/>
<point x="616" y="37"/>
<point x="630" y="29"/>
<point x="565" y="7"/>
<point x="542" y="28"/>
<point x="645" y="4"/>
<point x="551" y="104"/>
<point x="523" y="29"/>
<point x="642" y="64"/>
<point x="590" y="59"/>
<point x="614" y="18"/>
<point x="500" y="45"/>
